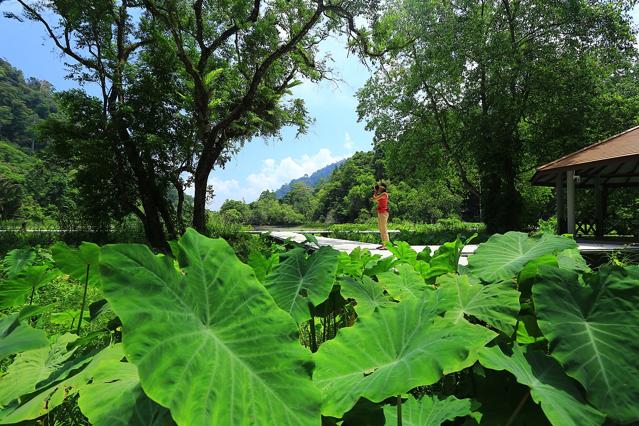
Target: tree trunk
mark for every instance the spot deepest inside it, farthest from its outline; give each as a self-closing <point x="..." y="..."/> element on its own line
<point x="199" y="199"/>
<point x="201" y="179"/>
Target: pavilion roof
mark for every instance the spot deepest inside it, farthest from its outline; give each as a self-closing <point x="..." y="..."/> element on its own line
<point x="615" y="160"/>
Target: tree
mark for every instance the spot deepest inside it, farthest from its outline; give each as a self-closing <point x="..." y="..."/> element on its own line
<point x="301" y="198"/>
<point x="348" y="191"/>
<point x="500" y="86"/>
<point x="129" y="145"/>
<point x="240" y="210"/>
<point x="241" y="59"/>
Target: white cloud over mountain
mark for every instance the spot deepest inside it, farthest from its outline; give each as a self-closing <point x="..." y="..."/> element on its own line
<point x="271" y="175"/>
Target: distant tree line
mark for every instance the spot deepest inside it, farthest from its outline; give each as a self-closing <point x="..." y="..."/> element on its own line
<point x="345" y="197"/>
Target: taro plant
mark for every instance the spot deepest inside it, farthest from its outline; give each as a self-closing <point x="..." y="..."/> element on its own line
<point x="81" y="264"/>
<point x="525" y="333"/>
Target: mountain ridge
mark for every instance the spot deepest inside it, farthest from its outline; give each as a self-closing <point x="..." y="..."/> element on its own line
<point x="311" y="180"/>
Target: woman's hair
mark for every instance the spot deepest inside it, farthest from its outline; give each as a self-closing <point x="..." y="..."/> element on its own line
<point x="382" y="186"/>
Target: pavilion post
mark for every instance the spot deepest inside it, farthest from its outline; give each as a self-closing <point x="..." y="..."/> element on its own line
<point x="570" y="201"/>
<point x="599" y="208"/>
<point x="560" y="196"/>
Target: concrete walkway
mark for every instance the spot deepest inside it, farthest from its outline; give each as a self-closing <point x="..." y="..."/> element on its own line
<point x="347" y="246"/>
<point x="586" y="247"/>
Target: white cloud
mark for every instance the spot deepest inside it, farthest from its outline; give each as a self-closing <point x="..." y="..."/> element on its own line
<point x="271" y="175"/>
<point x="348" y="141"/>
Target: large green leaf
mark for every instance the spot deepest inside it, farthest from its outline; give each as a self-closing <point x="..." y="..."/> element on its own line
<point x="403" y="252"/>
<point x="15" y="291"/>
<point x="495" y="304"/>
<point x="403" y="284"/>
<point x="368" y="294"/>
<point x="16" y="337"/>
<point x="16" y="260"/>
<point x="392" y="352"/>
<point x="355" y="262"/>
<point x="76" y="262"/>
<point x="502" y="257"/>
<point x="32" y="367"/>
<point x="66" y="377"/>
<point x="549" y="386"/>
<point x="114" y="396"/>
<point x="301" y="280"/>
<point x="209" y="343"/>
<point x="429" y="411"/>
<point x="446" y="258"/>
<point x="594" y="333"/>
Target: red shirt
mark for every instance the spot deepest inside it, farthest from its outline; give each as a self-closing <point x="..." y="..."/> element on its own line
<point x="382" y="203"/>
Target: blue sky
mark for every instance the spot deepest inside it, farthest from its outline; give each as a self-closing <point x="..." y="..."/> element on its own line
<point x="262" y="164"/>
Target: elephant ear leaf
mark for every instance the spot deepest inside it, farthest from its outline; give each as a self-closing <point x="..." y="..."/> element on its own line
<point x="430" y="411"/>
<point x="301" y="281"/>
<point x="32" y="367"/>
<point x="15" y="291"/>
<point x="198" y="336"/>
<point x="549" y="386"/>
<point x="381" y="356"/>
<point x="368" y="294"/>
<point x="495" y="304"/>
<point x="49" y="375"/>
<point x="403" y="252"/>
<point x="16" y="260"/>
<point x="16" y="337"/>
<point x="115" y="398"/>
<point x="79" y="262"/>
<point x="502" y="257"/>
<point x="593" y="332"/>
<point x="405" y="283"/>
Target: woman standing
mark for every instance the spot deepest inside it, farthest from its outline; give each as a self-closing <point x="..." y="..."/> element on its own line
<point x="381" y="196"/>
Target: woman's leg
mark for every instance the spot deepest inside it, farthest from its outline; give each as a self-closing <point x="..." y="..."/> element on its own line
<point x="381" y="229"/>
<point x="383" y="226"/>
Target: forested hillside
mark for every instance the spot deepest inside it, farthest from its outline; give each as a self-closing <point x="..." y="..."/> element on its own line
<point x="311" y="180"/>
<point x="23" y="104"/>
<point x="33" y="188"/>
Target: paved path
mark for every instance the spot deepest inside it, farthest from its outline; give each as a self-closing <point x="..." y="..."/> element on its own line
<point x="348" y="246"/>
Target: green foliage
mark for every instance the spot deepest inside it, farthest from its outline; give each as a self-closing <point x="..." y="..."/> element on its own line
<point x="386" y="357"/>
<point x="403" y="284"/>
<point x="557" y="394"/>
<point x="429" y="411"/>
<point x="15" y="291"/>
<point x="471" y="97"/>
<point x="592" y="330"/>
<point x="16" y="337"/>
<point x="16" y="260"/>
<point x="81" y="263"/>
<point x="205" y="342"/>
<point x="23" y="103"/>
<point x="497" y="304"/>
<point x="415" y="233"/>
<point x="301" y="282"/>
<point x="115" y="397"/>
<point x="211" y="327"/>
<point x="504" y="256"/>
<point x="369" y="295"/>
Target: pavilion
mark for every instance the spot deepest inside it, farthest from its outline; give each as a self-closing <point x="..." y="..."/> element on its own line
<point x="613" y="162"/>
